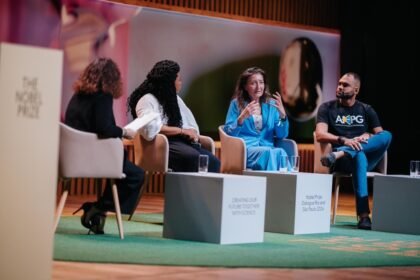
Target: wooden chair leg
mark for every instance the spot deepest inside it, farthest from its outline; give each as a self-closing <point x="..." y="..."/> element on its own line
<point x="336" y="192"/>
<point x="62" y="202"/>
<point x="117" y="209"/>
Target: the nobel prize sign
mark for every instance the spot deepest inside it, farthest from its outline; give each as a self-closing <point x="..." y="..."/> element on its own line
<point x="30" y="92"/>
<point x="28" y="98"/>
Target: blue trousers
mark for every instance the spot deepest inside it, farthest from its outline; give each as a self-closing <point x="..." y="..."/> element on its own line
<point x="358" y="163"/>
<point x="265" y="158"/>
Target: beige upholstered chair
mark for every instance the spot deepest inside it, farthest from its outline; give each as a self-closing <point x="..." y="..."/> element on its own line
<point x="233" y="152"/>
<point x="321" y="149"/>
<point x="83" y="155"/>
<point x="153" y="156"/>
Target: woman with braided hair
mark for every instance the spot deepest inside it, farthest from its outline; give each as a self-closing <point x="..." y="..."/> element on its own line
<point x="159" y="93"/>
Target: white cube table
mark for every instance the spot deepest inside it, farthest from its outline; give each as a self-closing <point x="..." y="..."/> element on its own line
<point x="216" y="208"/>
<point x="297" y="203"/>
<point x="396" y="206"/>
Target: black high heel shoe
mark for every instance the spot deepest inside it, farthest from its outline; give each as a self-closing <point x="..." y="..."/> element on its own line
<point x="87" y="206"/>
<point x="92" y="218"/>
<point x="98" y="224"/>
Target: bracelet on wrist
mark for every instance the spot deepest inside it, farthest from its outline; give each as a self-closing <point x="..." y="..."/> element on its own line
<point x="341" y="140"/>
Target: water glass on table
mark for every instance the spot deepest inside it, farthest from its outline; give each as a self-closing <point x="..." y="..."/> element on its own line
<point x="283" y="164"/>
<point x="415" y="168"/>
<point x="203" y="163"/>
<point x="294" y="163"/>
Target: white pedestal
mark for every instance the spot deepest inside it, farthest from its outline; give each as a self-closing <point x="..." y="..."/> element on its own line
<point x="396" y="206"/>
<point x="30" y="91"/>
<point x="216" y="208"/>
<point x="297" y="203"/>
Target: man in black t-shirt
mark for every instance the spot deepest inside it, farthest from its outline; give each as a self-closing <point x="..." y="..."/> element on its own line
<point x="359" y="142"/>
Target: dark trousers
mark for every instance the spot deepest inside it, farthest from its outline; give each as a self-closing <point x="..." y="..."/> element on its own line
<point x="183" y="156"/>
<point x="128" y="189"/>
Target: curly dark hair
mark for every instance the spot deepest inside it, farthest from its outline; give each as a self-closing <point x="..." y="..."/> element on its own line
<point x="101" y="75"/>
<point x="160" y="82"/>
<point x="240" y="92"/>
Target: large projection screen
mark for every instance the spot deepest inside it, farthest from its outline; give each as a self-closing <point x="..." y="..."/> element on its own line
<point x="212" y="52"/>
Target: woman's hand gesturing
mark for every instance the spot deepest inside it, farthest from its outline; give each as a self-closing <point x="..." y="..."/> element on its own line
<point x="279" y="104"/>
<point x="252" y="108"/>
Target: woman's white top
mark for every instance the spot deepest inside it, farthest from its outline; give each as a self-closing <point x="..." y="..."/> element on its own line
<point x="258" y="121"/>
<point x="148" y="104"/>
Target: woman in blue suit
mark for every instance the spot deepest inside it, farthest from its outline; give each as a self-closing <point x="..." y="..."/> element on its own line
<point x="257" y="117"/>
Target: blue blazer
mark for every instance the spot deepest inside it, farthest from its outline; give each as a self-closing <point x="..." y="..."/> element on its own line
<point x="273" y="126"/>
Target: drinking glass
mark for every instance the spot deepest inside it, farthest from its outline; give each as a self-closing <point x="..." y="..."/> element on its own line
<point x="415" y="168"/>
<point x="283" y="164"/>
<point x="203" y="163"/>
<point x="294" y="163"/>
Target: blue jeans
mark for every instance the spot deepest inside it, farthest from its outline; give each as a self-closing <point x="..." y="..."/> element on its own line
<point x="358" y="163"/>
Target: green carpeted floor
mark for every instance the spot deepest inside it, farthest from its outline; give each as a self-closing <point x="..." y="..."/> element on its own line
<point x="344" y="246"/>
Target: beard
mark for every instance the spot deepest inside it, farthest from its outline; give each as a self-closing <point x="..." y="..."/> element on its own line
<point x="343" y="96"/>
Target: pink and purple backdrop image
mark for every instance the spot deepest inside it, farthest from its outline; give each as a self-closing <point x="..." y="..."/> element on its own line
<point x="84" y="29"/>
<point x="93" y="29"/>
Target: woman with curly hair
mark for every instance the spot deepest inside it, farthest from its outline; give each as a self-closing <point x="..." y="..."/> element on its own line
<point x="159" y="93"/>
<point x="258" y="118"/>
<point x="90" y="110"/>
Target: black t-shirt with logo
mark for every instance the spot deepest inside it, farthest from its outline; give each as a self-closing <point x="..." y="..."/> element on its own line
<point x="348" y="121"/>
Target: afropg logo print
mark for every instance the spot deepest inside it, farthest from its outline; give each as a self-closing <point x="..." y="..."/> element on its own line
<point x="349" y="120"/>
<point x="28" y="100"/>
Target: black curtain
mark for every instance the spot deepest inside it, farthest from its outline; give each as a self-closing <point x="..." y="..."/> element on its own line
<point x="387" y="65"/>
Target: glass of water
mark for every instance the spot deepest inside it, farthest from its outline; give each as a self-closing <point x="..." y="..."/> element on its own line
<point x="283" y="164"/>
<point x="415" y="168"/>
<point x="294" y="163"/>
<point x="203" y="163"/>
